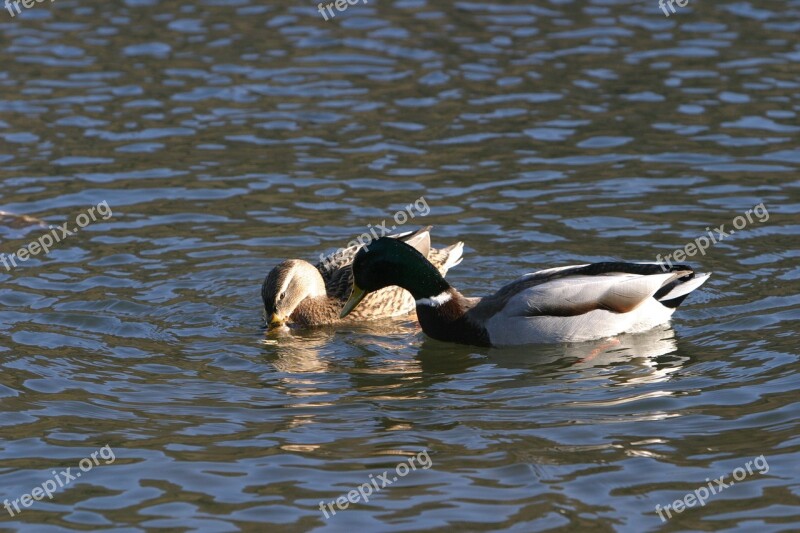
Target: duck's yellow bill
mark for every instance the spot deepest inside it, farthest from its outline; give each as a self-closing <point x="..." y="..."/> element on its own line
<point x="275" y="321"/>
<point x="355" y="298"/>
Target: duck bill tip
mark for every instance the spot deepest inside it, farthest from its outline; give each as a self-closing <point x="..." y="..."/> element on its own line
<point x="275" y="321"/>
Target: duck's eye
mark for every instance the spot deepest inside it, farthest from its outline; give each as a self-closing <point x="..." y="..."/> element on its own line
<point x="282" y="296"/>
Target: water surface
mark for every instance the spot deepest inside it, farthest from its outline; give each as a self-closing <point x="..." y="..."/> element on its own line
<point x="227" y="136"/>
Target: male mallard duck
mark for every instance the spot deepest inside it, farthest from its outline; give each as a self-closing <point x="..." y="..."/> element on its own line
<point x="298" y="292"/>
<point x="566" y="304"/>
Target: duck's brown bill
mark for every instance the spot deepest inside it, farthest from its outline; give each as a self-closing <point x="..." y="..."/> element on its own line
<point x="355" y="298"/>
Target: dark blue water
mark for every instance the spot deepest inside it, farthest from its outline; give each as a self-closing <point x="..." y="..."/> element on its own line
<point x="228" y="136"/>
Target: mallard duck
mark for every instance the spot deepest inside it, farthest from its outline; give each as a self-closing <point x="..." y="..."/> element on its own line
<point x="297" y="292"/>
<point x="565" y="304"/>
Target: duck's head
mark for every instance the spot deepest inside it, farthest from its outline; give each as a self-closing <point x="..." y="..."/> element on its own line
<point x="387" y="262"/>
<point x="286" y="286"/>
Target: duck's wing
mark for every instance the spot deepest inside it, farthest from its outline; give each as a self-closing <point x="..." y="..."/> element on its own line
<point x="337" y="271"/>
<point x="577" y="290"/>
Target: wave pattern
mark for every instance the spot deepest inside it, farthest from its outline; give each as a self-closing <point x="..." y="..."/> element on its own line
<point x="227" y="136"/>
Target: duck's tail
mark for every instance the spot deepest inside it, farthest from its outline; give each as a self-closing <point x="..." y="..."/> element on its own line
<point x="450" y="256"/>
<point x="673" y="294"/>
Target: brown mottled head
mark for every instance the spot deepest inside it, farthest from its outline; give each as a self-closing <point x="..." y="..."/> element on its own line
<point x="286" y="286"/>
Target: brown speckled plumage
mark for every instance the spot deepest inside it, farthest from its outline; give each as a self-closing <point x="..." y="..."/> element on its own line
<point x="315" y="295"/>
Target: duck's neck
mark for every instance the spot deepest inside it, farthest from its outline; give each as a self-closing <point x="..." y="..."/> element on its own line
<point x="444" y="317"/>
<point x="441" y="309"/>
<point x="422" y="280"/>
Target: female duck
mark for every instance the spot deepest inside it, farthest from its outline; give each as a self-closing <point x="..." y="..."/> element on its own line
<point x="566" y="304"/>
<point x="295" y="291"/>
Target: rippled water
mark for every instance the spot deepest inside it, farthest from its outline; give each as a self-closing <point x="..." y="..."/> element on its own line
<point x="228" y="135"/>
